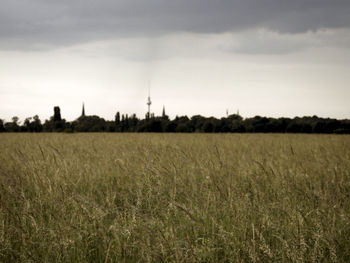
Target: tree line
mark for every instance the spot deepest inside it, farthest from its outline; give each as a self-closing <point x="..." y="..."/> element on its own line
<point x="230" y="124"/>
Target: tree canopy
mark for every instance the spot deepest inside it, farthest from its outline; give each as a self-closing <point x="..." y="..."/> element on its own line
<point x="230" y="124"/>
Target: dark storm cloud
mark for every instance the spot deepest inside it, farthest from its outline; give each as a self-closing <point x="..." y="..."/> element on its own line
<point x="37" y="23"/>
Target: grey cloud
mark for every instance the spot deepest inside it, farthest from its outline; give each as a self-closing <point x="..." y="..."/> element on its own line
<point x="262" y="41"/>
<point x="47" y="23"/>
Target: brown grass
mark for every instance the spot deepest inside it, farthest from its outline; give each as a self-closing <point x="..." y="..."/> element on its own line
<point x="174" y="198"/>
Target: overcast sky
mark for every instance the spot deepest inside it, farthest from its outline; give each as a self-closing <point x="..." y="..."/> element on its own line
<point x="263" y="57"/>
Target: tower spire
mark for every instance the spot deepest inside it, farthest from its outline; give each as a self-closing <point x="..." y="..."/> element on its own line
<point x="83" y="111"/>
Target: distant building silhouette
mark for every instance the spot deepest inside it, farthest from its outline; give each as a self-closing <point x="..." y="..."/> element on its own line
<point x="83" y="111"/>
<point x="57" y="113"/>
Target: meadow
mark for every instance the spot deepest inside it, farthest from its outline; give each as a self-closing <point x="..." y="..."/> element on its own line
<point x="174" y="198"/>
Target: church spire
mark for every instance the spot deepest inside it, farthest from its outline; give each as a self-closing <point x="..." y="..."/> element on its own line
<point x="83" y="111"/>
<point x="163" y="113"/>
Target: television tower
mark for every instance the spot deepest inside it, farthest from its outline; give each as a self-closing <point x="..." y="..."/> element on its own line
<point x="149" y="102"/>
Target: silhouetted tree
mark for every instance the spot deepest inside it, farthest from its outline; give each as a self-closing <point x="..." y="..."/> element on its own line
<point x="133" y="123"/>
<point x="155" y="126"/>
<point x="317" y="126"/>
<point x="12" y="126"/>
<point x="235" y="117"/>
<point x="126" y="123"/>
<point x="331" y="125"/>
<point x="110" y="126"/>
<point x="182" y="127"/>
<point x="208" y="126"/>
<point x="117" y="118"/>
<point x="170" y="127"/>
<point x="91" y="124"/>
<point x="197" y="123"/>
<point x="15" y="120"/>
<point x="32" y="126"/>
<point x="294" y="127"/>
<point x="2" y="128"/>
<point x="26" y="124"/>
<point x="36" y="124"/>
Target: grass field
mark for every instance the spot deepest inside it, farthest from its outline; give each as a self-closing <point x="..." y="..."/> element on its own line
<point x="174" y="198"/>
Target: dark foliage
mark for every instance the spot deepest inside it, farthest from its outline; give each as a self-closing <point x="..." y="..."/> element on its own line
<point x="230" y="124"/>
<point x="2" y="128"/>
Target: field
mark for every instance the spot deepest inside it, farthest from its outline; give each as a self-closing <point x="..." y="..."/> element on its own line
<point x="174" y="198"/>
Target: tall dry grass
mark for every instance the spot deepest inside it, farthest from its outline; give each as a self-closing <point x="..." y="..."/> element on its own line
<point x="174" y="198"/>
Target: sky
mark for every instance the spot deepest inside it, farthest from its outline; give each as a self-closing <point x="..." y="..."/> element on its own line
<point x="262" y="57"/>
